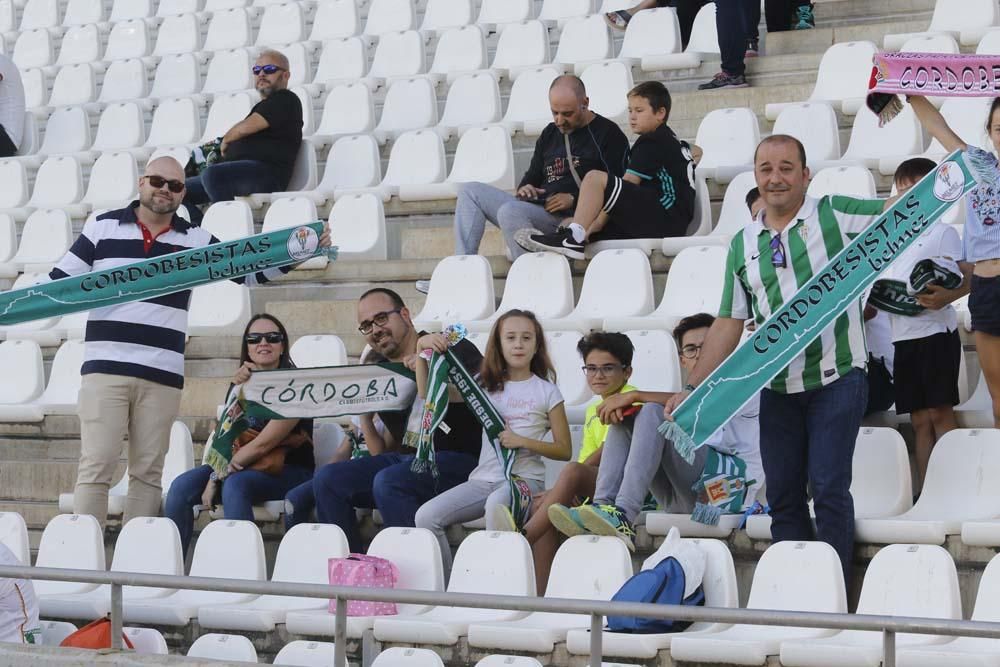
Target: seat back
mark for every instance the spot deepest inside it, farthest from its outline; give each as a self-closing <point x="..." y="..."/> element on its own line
<point x="81" y="12"/>
<point x="353" y="162"/>
<point x="417" y="158"/>
<point x="14" y="535"/>
<point x="493" y="562"/>
<point x="704" y="35"/>
<point x="281" y="24"/>
<point x="307" y="653"/>
<point x="150" y="545"/>
<point x="73" y="84"/>
<point x="965" y="116"/>
<point x="651" y="32"/>
<point x="987" y="606"/>
<point x="523" y="44"/>
<point x="573" y="573"/>
<point x="484" y="155"/>
<point x="39" y="14"/>
<point x="335" y="19"/>
<point x="508" y="661"/>
<point x="304" y="553"/>
<point x="931" y="43"/>
<point x="410" y="104"/>
<point x="226" y="111"/>
<point x="989" y="45"/>
<point x="21" y="359"/>
<point x="529" y="96"/>
<point x="461" y="289"/>
<point x="719" y="579"/>
<point x="174" y="7"/>
<point x="399" y="54"/>
<point x="64" y="379"/>
<point x="694" y="283"/>
<point x="146" y="641"/>
<point x="911" y="580"/>
<point x="583" y="40"/>
<point x="69" y="541"/>
<point x="348" y="109"/>
<point x="881" y="483"/>
<point x="228" y="220"/>
<point x="656" y="363"/>
<point x="14" y="177"/>
<point x="815" y="125"/>
<point x="124" y="80"/>
<point x="232" y="648"/>
<point x="603" y="294"/>
<point x="903" y="136"/>
<point x="178" y="34"/>
<point x="228" y="71"/>
<point x="528" y="272"/>
<point x="45" y="237"/>
<point x="175" y="122"/>
<point x="66" y="131"/>
<point x="114" y="181"/>
<point x="799" y="576"/>
<point x="444" y="14"/>
<point x="228" y="29"/>
<point x="228" y="549"/>
<point x="219" y="309"/>
<point x="460" y="50"/>
<point x="407" y="657"/>
<point x="975" y="15"/>
<point x="557" y="10"/>
<point x="358" y="224"/>
<point x="566" y="362"/>
<point x="607" y="85"/>
<point x="128" y="39"/>
<point x="844" y="72"/>
<point x="289" y="212"/>
<point x="416" y="553"/>
<point x="8" y="236"/>
<point x="33" y="48"/>
<point x="53" y="632"/>
<point x="127" y="10"/>
<point x="386" y="16"/>
<point x="959" y="477"/>
<point x="316" y="351"/>
<point x="177" y="75"/>
<point x="852" y="180"/>
<point x="180" y="455"/>
<point x="728" y="137"/>
<point x="735" y="215"/>
<point x="504" y="11"/>
<point x="342" y="59"/>
<point x="473" y="99"/>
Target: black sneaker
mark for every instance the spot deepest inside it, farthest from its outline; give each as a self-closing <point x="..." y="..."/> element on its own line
<point x="561" y="241"/>
<point x="753" y="48"/>
<point x="725" y="80"/>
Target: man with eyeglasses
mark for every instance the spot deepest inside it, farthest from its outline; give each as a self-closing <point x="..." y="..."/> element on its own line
<point x="133" y="366"/>
<point x="384" y="479"/>
<point x="258" y="153"/>
<point x="811" y="412"/>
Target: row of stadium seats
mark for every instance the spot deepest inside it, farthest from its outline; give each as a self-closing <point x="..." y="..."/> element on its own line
<point x="901" y="580"/>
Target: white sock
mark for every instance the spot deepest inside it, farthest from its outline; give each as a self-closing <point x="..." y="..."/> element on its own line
<point x="578" y="232"/>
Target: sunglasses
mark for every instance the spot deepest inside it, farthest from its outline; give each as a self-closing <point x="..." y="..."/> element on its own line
<point x="266" y="69"/>
<point x="271" y="337"/>
<point x="159" y="182"/>
<point x="778" y="258"/>
<point x="379" y="319"/>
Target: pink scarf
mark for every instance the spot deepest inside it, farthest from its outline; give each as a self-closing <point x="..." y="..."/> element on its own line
<point x="929" y="74"/>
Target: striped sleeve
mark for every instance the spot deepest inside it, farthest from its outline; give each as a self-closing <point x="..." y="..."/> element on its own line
<point x="854" y="215"/>
<point x="80" y="257"/>
<point x="735" y="301"/>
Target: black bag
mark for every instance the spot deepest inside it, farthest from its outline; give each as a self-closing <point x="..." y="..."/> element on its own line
<point x="881" y="392"/>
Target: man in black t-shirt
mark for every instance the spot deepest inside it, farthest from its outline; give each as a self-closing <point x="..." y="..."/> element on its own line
<point x="655" y="197"/>
<point x="548" y="192"/>
<point x="258" y="153"/>
<point x="384" y="479"/>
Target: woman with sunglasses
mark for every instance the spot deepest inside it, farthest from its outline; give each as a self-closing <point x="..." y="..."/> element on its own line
<point x="264" y="347"/>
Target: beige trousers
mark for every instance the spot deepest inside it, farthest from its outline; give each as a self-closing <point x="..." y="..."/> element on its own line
<point x="111" y="406"/>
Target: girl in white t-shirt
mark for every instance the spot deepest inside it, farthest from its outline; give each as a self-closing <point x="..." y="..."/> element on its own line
<point x="518" y="378"/>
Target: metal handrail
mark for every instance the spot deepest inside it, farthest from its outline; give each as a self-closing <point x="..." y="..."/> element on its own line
<point x="889" y="626"/>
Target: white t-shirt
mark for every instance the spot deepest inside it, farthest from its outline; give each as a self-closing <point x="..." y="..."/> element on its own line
<point x="525" y="407"/>
<point x="18" y="606"/>
<point x="878" y="335"/>
<point x="740" y="436"/>
<point x="940" y="241"/>
<point x="11" y="100"/>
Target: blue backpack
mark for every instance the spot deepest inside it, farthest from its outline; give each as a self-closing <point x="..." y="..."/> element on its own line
<point x="663" y="584"/>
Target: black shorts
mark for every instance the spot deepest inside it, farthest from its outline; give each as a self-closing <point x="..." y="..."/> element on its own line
<point x="926" y="371"/>
<point x="7" y="147"/>
<point x="636" y="213"/>
<point x="984" y="305"/>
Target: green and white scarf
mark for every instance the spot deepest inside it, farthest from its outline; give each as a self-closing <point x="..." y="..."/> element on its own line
<point x="163" y="275"/>
<point x="899" y="298"/>
<point x="817" y="304"/>
<point x="446" y="368"/>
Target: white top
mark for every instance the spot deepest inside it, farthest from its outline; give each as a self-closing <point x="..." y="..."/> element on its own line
<point x="878" y="333"/>
<point x="525" y="407"/>
<point x="939" y="242"/>
<point x="11" y="100"/>
<point x="740" y="436"/>
<point x="18" y="606"/>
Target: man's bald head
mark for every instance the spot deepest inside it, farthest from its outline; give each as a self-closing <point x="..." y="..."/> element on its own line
<point x="266" y="83"/>
<point x="166" y="166"/>
<point x="568" y="101"/>
<point x="155" y="194"/>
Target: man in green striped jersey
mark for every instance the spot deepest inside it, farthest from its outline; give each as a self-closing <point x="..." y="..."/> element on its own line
<point x="811" y="412"/>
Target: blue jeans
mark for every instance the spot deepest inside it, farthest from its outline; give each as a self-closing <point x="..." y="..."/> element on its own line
<point x="733" y="19"/>
<point x="225" y="180"/>
<point x="809" y="438"/>
<point x="239" y="493"/>
<point x="384" y="482"/>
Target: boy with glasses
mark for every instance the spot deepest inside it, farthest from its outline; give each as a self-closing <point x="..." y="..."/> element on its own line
<point x="636" y="458"/>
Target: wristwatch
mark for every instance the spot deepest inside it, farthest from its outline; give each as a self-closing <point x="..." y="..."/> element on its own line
<point x="214" y="477"/>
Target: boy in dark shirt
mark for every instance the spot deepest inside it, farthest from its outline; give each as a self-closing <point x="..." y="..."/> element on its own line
<point x="655" y="197"/>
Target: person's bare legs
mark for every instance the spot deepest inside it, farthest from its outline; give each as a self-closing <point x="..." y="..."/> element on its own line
<point x="923" y="430"/>
<point x="944" y="420"/>
<point x="988" y="348"/>
<point x="575" y="480"/>
<point x="589" y="212"/>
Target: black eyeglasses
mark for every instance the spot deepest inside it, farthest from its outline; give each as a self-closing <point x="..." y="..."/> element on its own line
<point x="379" y="319"/>
<point x="603" y="371"/>
<point x="266" y="69"/>
<point x="159" y="182"/>
<point x="778" y="258"/>
<point x="271" y="337"/>
<point x="690" y="351"/>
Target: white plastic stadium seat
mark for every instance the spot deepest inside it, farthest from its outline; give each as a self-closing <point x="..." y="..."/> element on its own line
<point x="178" y="34"/>
<point x="398" y="54"/>
<point x="353" y="163"/>
<point x="282" y="24"/>
<point x="694" y="285"/>
<point x="113" y="181"/>
<point x="504" y="12"/>
<point x="218" y="309"/>
<point x="459" y="51"/>
<point x="39" y="14"/>
<point x="483" y="155"/>
<point x="733" y="217"/>
<point x="21" y="359"/>
<point x="607" y="87"/>
<point x="177" y="75"/>
<point x="853" y="181"/>
<point x="842" y="79"/>
<point x="302" y="558"/>
<point x="719" y="584"/>
<point x="890" y="144"/>
<point x="226" y="111"/>
<point x="417" y="555"/>
<point x="8" y="245"/>
<point x="486" y="562"/>
<point x="410" y="104"/>
<point x="728" y="138"/>
<point x="793" y="576"/>
<point x="231" y="648"/>
<point x="45" y="238"/>
<point x="553" y="10"/>
<point x="461" y="289"/>
<point x="521" y="45"/>
<point x="291" y="212"/>
<point x="80" y="45"/>
<point x="33" y="48"/>
<point x="228" y="72"/>
<point x="15" y="192"/>
<point x="959" y="486"/>
<point x="316" y="351"/>
<point x="127" y="39"/>
<point x="521" y="288"/>
<point x="60" y="395"/>
<point x="397" y="656"/>
<point x="66" y="131"/>
<point x="656" y="363"/>
<point x="124" y="80"/>
<point x="342" y="60"/>
<point x="348" y="109"/>
<point x="815" y="125"/>
<point x="508" y="661"/>
<point x="146" y="641"/>
<point x="53" y="632"/>
<point x="228" y="220"/>
<point x="357" y="223"/>
<point x="441" y="15"/>
<point x="14" y="535"/>
<point x="229" y="29"/>
<point x="335" y="19"/>
<point x="572" y="577"/>
<point x="652" y="37"/>
<point x="618" y="284"/>
<point x="146" y="544"/>
<point x="82" y="12"/>
<point x="417" y="158"/>
<point x="69" y="541"/>
<point x="566" y="362"/>
<point x="227" y="549"/>
<point x="964" y="651"/>
<point x="127" y="10"/>
<point x="73" y="85"/>
<point x="389" y="16"/>
<point x="703" y="43"/>
<point x="901" y="580"/>
<point x="528" y="107"/>
<point x="583" y="41"/>
<point x="969" y="24"/>
<point x="473" y="100"/>
<point x="303" y="653"/>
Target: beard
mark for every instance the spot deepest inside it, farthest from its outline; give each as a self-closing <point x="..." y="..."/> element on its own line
<point x="265" y="91"/>
<point x="159" y="206"/>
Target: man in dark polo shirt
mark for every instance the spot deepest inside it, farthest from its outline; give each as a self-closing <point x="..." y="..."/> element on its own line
<point x="258" y="153"/>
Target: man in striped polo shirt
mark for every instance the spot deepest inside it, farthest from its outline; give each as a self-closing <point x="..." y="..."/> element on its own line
<point x="811" y="413"/>
<point x="133" y="368"/>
